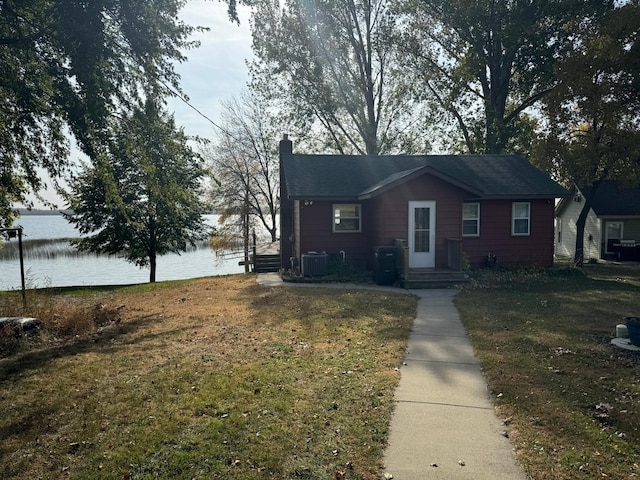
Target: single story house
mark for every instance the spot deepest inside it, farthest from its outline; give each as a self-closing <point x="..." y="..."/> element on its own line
<point x="440" y="211"/>
<point x="612" y="229"/>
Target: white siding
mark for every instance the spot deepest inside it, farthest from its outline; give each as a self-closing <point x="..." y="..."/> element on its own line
<point x="568" y="218"/>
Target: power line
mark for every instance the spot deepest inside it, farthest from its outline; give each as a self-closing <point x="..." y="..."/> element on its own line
<point x="195" y="109"/>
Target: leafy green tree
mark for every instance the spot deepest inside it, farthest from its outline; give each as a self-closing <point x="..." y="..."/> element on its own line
<point x="485" y="62"/>
<point x="244" y="164"/>
<point x="67" y="66"/>
<point x="331" y="66"/>
<point x="142" y="197"/>
<point x="593" y="129"/>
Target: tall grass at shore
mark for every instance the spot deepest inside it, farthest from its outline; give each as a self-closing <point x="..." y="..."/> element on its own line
<point x="58" y="247"/>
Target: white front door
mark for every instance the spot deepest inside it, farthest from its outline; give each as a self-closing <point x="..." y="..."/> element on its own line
<point x="422" y="234"/>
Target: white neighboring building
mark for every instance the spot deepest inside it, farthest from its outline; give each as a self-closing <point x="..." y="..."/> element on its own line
<point x="612" y="229"/>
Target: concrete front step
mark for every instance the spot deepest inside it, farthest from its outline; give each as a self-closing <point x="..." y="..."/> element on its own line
<point x="431" y="278"/>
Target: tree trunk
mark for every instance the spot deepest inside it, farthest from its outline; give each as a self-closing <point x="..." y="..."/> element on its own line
<point x="152" y="267"/>
<point x="152" y="248"/>
<point x="578" y="258"/>
<point x="245" y="232"/>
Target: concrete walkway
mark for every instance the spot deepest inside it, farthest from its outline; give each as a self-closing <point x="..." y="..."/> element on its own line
<point x="444" y="425"/>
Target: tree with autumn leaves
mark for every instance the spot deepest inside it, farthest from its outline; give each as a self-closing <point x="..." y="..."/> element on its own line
<point x="592" y="119"/>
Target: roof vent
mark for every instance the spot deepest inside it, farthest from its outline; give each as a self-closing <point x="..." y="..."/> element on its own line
<point x="577" y="198"/>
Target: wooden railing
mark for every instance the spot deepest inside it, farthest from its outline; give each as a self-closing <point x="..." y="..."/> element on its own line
<point x="264" y="258"/>
<point x="402" y="265"/>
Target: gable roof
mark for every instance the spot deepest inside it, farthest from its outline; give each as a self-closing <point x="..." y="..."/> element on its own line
<point x="612" y="199"/>
<point x="359" y="177"/>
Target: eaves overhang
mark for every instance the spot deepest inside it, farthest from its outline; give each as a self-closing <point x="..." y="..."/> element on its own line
<point x="324" y="198"/>
<point x="524" y="196"/>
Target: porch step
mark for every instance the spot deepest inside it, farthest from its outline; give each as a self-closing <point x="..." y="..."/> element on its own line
<point x="432" y="278"/>
<point x="266" y="263"/>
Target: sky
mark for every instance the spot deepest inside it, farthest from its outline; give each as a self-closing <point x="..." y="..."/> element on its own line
<point x="214" y="72"/>
<point x="217" y="70"/>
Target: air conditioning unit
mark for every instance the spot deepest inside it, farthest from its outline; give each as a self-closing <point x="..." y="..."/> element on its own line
<point x="314" y="264"/>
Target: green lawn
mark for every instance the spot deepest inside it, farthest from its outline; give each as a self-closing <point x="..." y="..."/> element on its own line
<point x="213" y="378"/>
<point x="570" y="400"/>
<point x="221" y="378"/>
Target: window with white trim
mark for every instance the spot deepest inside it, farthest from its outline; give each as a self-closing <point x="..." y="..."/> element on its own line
<point x="471" y="219"/>
<point x="347" y="218"/>
<point x="521" y="218"/>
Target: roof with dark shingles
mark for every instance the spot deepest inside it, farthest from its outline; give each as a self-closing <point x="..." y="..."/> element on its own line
<point x="613" y="199"/>
<point x="352" y="176"/>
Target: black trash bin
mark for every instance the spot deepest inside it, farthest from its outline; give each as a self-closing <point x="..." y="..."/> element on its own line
<point x="384" y="266"/>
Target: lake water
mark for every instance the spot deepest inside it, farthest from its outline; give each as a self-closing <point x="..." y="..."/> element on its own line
<point x="50" y="261"/>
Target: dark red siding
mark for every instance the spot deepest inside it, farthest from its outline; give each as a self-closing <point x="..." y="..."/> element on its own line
<point x="286" y="232"/>
<point x="385" y="219"/>
<point x="495" y="235"/>
<point x="316" y="233"/>
<point x="392" y="213"/>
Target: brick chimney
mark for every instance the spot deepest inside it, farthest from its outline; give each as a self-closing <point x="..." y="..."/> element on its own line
<point x="286" y="145"/>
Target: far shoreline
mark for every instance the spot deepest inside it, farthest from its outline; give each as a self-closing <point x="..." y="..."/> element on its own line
<point x="24" y="212"/>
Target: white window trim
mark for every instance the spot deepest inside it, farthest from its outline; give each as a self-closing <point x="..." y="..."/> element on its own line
<point x="333" y="219"/>
<point x="477" y="219"/>
<point x="527" y="218"/>
<point x="606" y="233"/>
